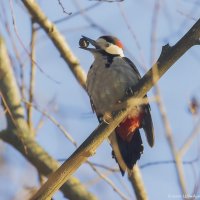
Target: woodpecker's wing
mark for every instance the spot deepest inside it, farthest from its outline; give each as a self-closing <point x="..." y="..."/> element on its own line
<point x="127" y="60"/>
<point x="99" y="116"/>
<point x="92" y="105"/>
<point x="147" y="123"/>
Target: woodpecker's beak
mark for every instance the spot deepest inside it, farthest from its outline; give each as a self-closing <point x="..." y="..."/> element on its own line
<point x="92" y="42"/>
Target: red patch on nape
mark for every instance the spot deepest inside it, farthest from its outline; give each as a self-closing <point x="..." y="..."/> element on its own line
<point x="127" y="128"/>
<point x="119" y="44"/>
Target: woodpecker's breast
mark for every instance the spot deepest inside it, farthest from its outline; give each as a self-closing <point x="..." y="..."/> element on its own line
<point x="107" y="82"/>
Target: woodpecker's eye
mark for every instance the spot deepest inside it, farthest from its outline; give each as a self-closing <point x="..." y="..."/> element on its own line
<point x="107" y="44"/>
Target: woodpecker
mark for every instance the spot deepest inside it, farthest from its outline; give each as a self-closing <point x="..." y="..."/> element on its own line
<point x="109" y="79"/>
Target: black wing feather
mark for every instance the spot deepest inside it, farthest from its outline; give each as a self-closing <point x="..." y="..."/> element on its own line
<point x="131" y="150"/>
<point x="147" y="123"/>
<point x="127" y="60"/>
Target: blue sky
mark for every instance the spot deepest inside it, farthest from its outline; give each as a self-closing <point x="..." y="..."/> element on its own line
<point x="71" y="105"/>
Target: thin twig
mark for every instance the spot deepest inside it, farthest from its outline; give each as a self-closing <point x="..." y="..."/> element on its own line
<point x="160" y="104"/>
<point x="54" y="121"/>
<point x="63" y="8"/>
<point x="106" y="179"/>
<point x="7" y="109"/>
<point x="48" y="105"/>
<point x="123" y="14"/>
<point x="32" y="78"/>
<point x="164" y="162"/>
<point x="89" y="19"/>
<point x="189" y="16"/>
<point x="22" y="85"/>
<point x="74" y="14"/>
<point x="105" y="167"/>
<point x="190" y="139"/>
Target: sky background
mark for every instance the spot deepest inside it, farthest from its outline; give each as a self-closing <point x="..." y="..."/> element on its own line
<point x="64" y="99"/>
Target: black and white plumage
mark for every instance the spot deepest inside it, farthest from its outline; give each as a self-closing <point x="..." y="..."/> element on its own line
<point x="109" y="77"/>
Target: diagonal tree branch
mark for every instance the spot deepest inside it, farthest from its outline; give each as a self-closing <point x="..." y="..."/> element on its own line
<point x="168" y="57"/>
<point x="18" y="133"/>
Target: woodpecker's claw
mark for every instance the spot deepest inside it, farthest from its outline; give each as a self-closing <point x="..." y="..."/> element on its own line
<point x="107" y="117"/>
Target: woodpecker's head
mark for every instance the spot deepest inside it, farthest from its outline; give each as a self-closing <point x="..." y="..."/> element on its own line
<point x="103" y="45"/>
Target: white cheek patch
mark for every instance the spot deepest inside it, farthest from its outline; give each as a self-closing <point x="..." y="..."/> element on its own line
<point x="114" y="49"/>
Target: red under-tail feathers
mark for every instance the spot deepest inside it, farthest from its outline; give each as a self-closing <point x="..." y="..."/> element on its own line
<point x="128" y="126"/>
<point x="129" y="140"/>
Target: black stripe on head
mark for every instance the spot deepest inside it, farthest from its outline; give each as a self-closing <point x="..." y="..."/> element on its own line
<point x="110" y="39"/>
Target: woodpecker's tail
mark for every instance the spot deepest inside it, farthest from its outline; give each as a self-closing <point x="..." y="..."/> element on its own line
<point x="130" y="151"/>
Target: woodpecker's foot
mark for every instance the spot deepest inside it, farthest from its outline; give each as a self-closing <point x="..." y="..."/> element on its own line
<point x="107" y="117"/>
<point x="129" y="92"/>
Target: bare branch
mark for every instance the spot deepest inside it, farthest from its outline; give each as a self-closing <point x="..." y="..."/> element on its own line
<point x="14" y="46"/>
<point x="128" y="25"/>
<point x="189" y="16"/>
<point x="32" y="77"/>
<point x="116" y="169"/>
<point x="54" y="121"/>
<point x="161" y="106"/>
<point x="190" y="139"/>
<point x="75" y="14"/>
<point x="123" y="196"/>
<point x="164" y="162"/>
<point x="58" y="40"/>
<point x="89" y="19"/>
<point x="9" y="90"/>
<point x="68" y="13"/>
